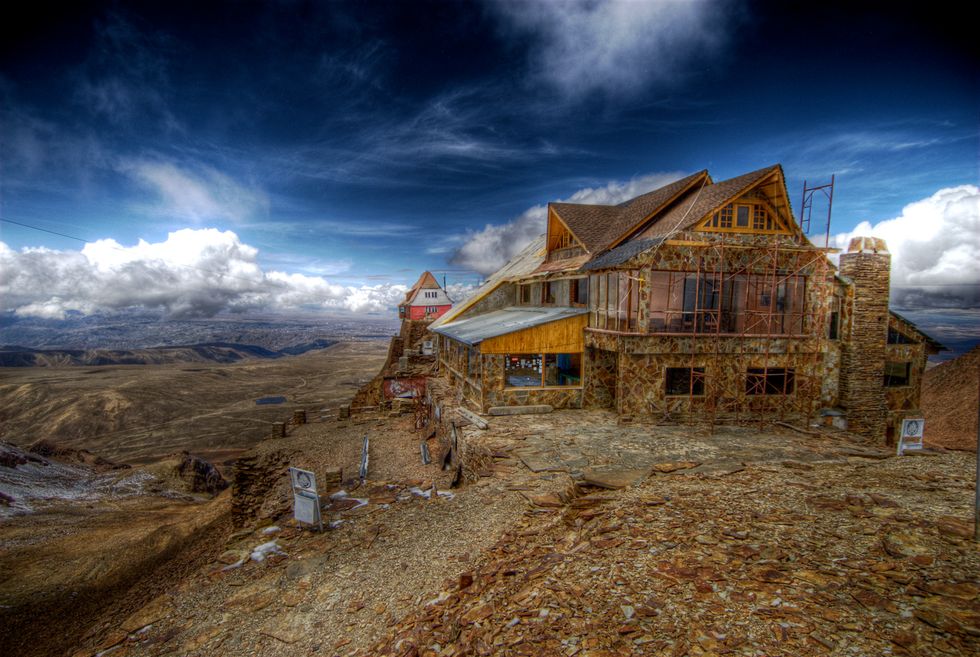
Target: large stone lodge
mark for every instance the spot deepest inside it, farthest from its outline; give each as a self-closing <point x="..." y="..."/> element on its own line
<point x="697" y="301"/>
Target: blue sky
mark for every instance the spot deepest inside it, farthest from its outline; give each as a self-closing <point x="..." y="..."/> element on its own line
<point x="347" y="146"/>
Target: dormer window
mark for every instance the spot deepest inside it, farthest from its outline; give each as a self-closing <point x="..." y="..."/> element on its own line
<point x="744" y="217"/>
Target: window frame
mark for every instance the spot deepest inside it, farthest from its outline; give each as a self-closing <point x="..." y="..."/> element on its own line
<point x="696" y="378"/>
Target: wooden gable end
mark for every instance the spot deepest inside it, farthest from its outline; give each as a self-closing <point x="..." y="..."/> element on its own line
<point x="560" y="240"/>
<point x="563" y="336"/>
<point x="763" y="208"/>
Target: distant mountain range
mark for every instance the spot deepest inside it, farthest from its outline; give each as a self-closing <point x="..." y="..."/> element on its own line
<point x="210" y="352"/>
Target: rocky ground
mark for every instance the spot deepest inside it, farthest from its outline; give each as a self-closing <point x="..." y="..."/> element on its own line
<point x="950" y="398"/>
<point x="738" y="541"/>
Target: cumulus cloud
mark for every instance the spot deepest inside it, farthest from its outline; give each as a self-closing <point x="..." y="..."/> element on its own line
<point x="619" y="46"/>
<point x="488" y="250"/>
<point x="935" y="248"/>
<point x="205" y="194"/>
<point x="193" y="273"/>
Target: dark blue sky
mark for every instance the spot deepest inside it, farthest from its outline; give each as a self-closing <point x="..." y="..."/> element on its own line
<point x="362" y="142"/>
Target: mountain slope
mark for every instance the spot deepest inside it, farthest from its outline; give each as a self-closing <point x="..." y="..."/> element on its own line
<point x="950" y="400"/>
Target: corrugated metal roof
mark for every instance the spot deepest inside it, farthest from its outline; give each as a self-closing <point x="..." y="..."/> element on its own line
<point x="522" y="264"/>
<point x="474" y="330"/>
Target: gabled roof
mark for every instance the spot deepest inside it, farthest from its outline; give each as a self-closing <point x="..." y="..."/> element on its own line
<point x="426" y="282"/>
<point x="598" y="227"/>
<point x="476" y="329"/>
<point x="697" y="204"/>
<point x="522" y="264"/>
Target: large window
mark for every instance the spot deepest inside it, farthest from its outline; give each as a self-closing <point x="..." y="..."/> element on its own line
<point x="615" y="300"/>
<point x="525" y="295"/>
<point x="684" y="381"/>
<point x="542" y="370"/>
<point x="897" y="374"/>
<point x="769" y="381"/>
<point x="756" y="304"/>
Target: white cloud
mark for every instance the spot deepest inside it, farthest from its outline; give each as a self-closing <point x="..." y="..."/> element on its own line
<point x="193" y="273"/>
<point x="488" y="250"/>
<point x="935" y="248"/>
<point x="618" y="46"/>
<point x="203" y="195"/>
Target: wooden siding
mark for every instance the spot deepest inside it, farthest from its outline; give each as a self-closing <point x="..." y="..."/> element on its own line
<point x="564" y="336"/>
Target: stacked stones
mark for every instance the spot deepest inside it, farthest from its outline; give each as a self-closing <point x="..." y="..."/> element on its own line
<point x="253" y="478"/>
<point x="867" y="263"/>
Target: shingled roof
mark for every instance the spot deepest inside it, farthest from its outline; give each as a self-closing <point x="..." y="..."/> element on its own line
<point x="701" y="202"/>
<point x="598" y="227"/>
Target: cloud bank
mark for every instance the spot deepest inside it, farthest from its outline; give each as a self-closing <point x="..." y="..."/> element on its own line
<point x="193" y="273"/>
<point x="618" y="47"/>
<point x="935" y="248"/>
<point x="488" y="250"/>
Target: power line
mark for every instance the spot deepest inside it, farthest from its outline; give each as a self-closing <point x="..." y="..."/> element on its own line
<point x="43" y="230"/>
<point x="121" y="249"/>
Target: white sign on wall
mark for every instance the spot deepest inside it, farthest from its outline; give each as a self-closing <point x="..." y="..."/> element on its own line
<point x="911" y="438"/>
<point x="306" y="499"/>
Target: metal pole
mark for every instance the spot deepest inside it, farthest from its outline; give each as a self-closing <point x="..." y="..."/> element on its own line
<point x="830" y="207"/>
<point x="976" y="482"/>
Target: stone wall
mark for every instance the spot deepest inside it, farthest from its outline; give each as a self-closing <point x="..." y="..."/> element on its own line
<point x="600" y="378"/>
<point x="903" y="401"/>
<point x="253" y="479"/>
<point x="863" y="347"/>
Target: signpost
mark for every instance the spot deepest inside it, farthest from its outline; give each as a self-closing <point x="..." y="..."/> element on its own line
<point x="911" y="438"/>
<point x="306" y="499"/>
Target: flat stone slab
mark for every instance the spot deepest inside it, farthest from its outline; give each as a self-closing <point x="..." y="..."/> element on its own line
<point x="716" y="468"/>
<point x="536" y="409"/>
<point x="541" y="461"/>
<point x="614" y="478"/>
<point x="673" y="466"/>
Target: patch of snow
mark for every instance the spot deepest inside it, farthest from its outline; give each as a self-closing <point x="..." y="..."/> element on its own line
<point x="360" y="502"/>
<point x="333" y="524"/>
<point x="271" y="530"/>
<point x="434" y="601"/>
<point x="264" y="550"/>
<point x="339" y="495"/>
<point x="420" y="493"/>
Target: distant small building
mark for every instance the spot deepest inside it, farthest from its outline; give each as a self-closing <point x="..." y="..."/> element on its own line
<point x="426" y="300"/>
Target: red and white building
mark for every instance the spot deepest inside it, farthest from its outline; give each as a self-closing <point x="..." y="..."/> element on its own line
<point x="426" y="300"/>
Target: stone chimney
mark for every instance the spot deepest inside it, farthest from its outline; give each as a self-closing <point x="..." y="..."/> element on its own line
<point x="867" y="264"/>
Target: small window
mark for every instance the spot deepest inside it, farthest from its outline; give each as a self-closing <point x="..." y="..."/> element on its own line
<point x="685" y="381"/>
<point x="769" y="381"/>
<point x="897" y="374"/>
<point x="742" y="219"/>
<point x="726" y="217"/>
<point x="579" y="291"/>
<point x="525" y="295"/>
<point x="894" y="337"/>
<point x="759" y="217"/>
<point x="834" y="325"/>
<point x="548" y="294"/>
